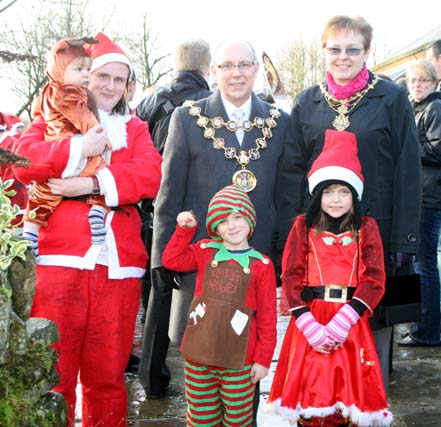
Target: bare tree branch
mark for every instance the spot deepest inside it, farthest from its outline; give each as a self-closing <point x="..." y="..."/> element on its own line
<point x="151" y="66"/>
<point x="3" y="6"/>
<point x="300" y="65"/>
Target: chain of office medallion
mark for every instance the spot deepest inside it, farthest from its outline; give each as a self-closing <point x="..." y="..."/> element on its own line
<point x="244" y="157"/>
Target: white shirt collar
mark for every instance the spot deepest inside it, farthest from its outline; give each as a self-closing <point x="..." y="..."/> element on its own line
<point x="229" y="108"/>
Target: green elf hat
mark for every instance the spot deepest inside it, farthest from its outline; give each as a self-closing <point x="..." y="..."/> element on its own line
<point x="229" y="199"/>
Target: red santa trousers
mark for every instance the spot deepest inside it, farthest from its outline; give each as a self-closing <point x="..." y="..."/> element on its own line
<point x="96" y="318"/>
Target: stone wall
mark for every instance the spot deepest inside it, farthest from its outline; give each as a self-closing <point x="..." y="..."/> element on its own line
<point x="27" y="365"/>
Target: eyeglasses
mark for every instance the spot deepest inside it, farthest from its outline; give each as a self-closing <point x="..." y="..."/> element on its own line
<point x="242" y="66"/>
<point x="419" y="81"/>
<point x="351" y="51"/>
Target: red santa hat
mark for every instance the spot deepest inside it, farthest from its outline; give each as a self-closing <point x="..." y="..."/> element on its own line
<point x="106" y="51"/>
<point x="338" y="161"/>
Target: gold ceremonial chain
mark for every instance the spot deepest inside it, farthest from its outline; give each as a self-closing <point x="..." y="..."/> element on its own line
<point x="243" y="178"/>
<point x="345" y="106"/>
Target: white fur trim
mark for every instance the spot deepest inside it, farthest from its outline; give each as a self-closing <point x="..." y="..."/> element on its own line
<point x="110" y="57"/>
<point x="115" y="270"/>
<point x="381" y="418"/>
<point x="88" y="262"/>
<point x="115" y="127"/>
<point x="76" y="161"/>
<point x="336" y="172"/>
<point x="78" y="262"/>
<point x="108" y="187"/>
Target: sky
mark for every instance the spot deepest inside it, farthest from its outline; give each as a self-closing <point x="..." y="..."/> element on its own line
<point x="268" y="25"/>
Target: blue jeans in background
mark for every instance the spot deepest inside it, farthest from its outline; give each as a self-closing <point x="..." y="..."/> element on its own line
<point x="427" y="330"/>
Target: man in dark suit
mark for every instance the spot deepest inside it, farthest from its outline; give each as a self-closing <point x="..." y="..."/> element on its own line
<point x="192" y="66"/>
<point x="207" y="148"/>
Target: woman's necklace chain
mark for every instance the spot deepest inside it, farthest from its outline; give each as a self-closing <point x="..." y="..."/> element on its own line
<point x="345" y="106"/>
<point x="243" y="178"/>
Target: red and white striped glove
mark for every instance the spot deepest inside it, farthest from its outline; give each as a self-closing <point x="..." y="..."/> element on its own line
<point x="314" y="333"/>
<point x="339" y="326"/>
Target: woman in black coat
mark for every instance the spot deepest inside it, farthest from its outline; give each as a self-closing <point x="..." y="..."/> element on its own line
<point x="422" y="81"/>
<point x="354" y="99"/>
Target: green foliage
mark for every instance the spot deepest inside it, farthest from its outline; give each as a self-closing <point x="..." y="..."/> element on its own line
<point x="11" y="246"/>
<point x="16" y="407"/>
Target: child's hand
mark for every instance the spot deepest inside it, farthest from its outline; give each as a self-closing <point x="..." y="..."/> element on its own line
<point x="258" y="372"/>
<point x="186" y="219"/>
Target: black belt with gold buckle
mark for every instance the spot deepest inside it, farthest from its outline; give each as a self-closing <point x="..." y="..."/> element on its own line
<point x="333" y="293"/>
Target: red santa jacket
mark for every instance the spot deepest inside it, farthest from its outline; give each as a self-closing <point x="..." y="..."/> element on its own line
<point x="134" y="172"/>
<point x="180" y="255"/>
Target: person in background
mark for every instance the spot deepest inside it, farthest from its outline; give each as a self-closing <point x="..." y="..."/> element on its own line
<point x="379" y="114"/>
<point x="226" y="351"/>
<point x="422" y="80"/>
<point x="20" y="198"/>
<point x="433" y="54"/>
<point x="94" y="301"/>
<point x="192" y="66"/>
<point x="328" y="373"/>
<point x="231" y="136"/>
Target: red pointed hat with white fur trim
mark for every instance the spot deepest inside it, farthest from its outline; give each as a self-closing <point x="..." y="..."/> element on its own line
<point x="106" y="51"/>
<point x="338" y="161"/>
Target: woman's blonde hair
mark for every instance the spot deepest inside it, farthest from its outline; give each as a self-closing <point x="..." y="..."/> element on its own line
<point x="424" y="67"/>
<point x="348" y="23"/>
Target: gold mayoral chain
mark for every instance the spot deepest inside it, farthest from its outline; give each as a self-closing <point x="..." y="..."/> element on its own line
<point x="344" y="107"/>
<point x="243" y="178"/>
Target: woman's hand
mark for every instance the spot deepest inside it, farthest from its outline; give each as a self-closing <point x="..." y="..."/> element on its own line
<point x="186" y="219"/>
<point x="95" y="142"/>
<point x="71" y="187"/>
<point x="258" y="372"/>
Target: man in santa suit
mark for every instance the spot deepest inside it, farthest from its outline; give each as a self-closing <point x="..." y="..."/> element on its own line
<point x="93" y="293"/>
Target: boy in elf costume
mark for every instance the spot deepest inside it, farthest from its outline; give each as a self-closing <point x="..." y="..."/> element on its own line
<point x="231" y="331"/>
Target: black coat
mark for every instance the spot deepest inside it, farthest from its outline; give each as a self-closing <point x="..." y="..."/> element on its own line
<point x="156" y="110"/>
<point x="388" y="152"/>
<point x="428" y="121"/>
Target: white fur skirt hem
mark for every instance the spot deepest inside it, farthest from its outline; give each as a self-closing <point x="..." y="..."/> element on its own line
<point x="381" y="418"/>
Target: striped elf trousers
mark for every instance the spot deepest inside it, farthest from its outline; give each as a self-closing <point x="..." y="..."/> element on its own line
<point x="218" y="396"/>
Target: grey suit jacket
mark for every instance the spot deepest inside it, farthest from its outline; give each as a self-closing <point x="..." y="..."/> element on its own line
<point x="193" y="171"/>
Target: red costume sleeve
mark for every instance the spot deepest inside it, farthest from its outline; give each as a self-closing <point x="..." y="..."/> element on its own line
<point x="137" y="170"/>
<point x="47" y="159"/>
<point x="294" y="266"/>
<point x="179" y="255"/>
<point x="372" y="276"/>
<point x="266" y="316"/>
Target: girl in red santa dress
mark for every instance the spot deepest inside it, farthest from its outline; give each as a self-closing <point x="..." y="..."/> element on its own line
<point x="328" y="372"/>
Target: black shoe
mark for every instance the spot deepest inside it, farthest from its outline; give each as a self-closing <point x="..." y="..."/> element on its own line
<point x="133" y="364"/>
<point x="156" y="393"/>
<point x="403" y="332"/>
<point x="409" y="342"/>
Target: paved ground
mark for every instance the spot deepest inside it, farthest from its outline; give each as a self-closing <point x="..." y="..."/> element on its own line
<point x="415" y="391"/>
<point x="414" y="395"/>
